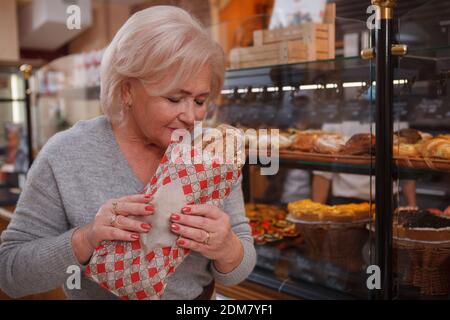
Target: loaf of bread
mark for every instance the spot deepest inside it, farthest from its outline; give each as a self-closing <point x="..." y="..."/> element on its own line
<point x="359" y="144"/>
<point x="224" y="141"/>
<point x="408" y="135"/>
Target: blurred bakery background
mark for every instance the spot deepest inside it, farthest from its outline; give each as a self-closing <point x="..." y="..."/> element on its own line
<point x="292" y="65"/>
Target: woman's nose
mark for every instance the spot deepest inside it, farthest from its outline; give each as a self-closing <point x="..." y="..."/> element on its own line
<point x="188" y="114"/>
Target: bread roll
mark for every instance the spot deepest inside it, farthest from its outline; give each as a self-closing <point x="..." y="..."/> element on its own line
<point x="360" y="144"/>
<point x="435" y="148"/>
<point x="406" y="150"/>
<point x="328" y="143"/>
<point x="407" y="135"/>
<point x="304" y="141"/>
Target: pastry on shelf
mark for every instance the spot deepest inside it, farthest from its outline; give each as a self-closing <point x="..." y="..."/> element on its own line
<point x="304" y="140"/>
<point x="220" y="141"/>
<point x="360" y="144"/>
<point x="284" y="141"/>
<point x="268" y="223"/>
<point x="421" y="225"/>
<point x="438" y="147"/>
<point x="328" y="143"/>
<point x="255" y="138"/>
<point x="408" y="135"/>
<point x="444" y="136"/>
<point x="406" y="150"/>
<point x="407" y="142"/>
<point x="425" y="135"/>
<point x="308" y="210"/>
<point x="334" y="234"/>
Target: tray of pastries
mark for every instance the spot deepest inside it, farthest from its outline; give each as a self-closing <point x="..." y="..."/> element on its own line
<point x="268" y="223"/>
<point x="333" y="233"/>
<point x="308" y="211"/>
<point x="411" y="148"/>
<point x="321" y="146"/>
<point x="415" y="149"/>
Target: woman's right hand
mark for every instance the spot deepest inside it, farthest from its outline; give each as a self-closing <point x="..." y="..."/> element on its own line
<point x="105" y="227"/>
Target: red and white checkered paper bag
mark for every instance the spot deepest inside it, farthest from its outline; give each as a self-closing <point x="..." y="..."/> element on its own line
<point x="139" y="270"/>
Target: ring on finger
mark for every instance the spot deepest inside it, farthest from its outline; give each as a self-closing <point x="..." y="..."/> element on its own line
<point x="208" y="237"/>
<point x="114" y="207"/>
<point x="113" y="219"/>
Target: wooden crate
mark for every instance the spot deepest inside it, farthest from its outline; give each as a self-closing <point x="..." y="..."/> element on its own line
<point x="305" y="42"/>
<point x="276" y="53"/>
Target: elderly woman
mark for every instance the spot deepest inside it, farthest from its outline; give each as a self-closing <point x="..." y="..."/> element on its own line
<point x="157" y="75"/>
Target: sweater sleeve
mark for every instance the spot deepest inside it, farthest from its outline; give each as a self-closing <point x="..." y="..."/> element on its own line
<point x="36" y="248"/>
<point x="234" y="206"/>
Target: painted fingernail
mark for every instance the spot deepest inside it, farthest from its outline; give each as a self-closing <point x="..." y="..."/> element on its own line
<point x="149" y="208"/>
<point x="148" y="196"/>
<point x="186" y="209"/>
<point x="175" y="227"/>
<point x="175" y="217"/>
<point x="180" y="242"/>
<point x="146" y="226"/>
<point x="135" y="236"/>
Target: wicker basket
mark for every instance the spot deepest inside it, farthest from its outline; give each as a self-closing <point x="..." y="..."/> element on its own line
<point x="428" y="264"/>
<point x="402" y="266"/>
<point x="339" y="243"/>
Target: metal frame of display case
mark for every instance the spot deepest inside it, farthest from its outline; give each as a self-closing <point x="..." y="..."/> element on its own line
<point x="26" y="70"/>
<point x="383" y="153"/>
<point x="384" y="53"/>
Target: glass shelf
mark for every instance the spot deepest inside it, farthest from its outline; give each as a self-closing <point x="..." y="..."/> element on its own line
<point x="320" y="72"/>
<point x="341" y="59"/>
<point x="346" y="65"/>
<point x="88" y="93"/>
<point x="300" y="64"/>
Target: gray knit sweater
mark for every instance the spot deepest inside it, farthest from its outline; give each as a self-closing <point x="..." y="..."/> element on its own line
<point x="74" y="174"/>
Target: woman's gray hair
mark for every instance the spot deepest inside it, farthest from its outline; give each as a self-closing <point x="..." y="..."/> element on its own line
<point x="163" y="47"/>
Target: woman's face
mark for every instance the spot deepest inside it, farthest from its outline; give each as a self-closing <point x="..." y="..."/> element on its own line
<point x="156" y="118"/>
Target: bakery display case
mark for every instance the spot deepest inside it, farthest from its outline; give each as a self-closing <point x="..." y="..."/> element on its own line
<point x="14" y="133"/>
<point x="312" y="241"/>
<point x="421" y="236"/>
<point x="364" y="162"/>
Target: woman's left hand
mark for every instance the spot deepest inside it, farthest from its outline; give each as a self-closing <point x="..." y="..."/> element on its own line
<point x="207" y="230"/>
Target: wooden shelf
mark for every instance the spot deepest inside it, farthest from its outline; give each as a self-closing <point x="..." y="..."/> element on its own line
<point x="355" y="164"/>
<point x="251" y="291"/>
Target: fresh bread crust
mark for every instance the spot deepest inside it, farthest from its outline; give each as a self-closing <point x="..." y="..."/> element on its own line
<point x="328" y="143"/>
<point x="359" y="144"/>
<point x="435" y="148"/>
<point x="304" y="141"/>
<point x="406" y="150"/>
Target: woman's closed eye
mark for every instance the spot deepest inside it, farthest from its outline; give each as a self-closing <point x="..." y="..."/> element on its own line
<point x="174" y="99"/>
<point x="199" y="102"/>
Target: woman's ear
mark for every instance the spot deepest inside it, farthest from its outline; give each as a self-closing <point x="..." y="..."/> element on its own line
<point x="127" y="96"/>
